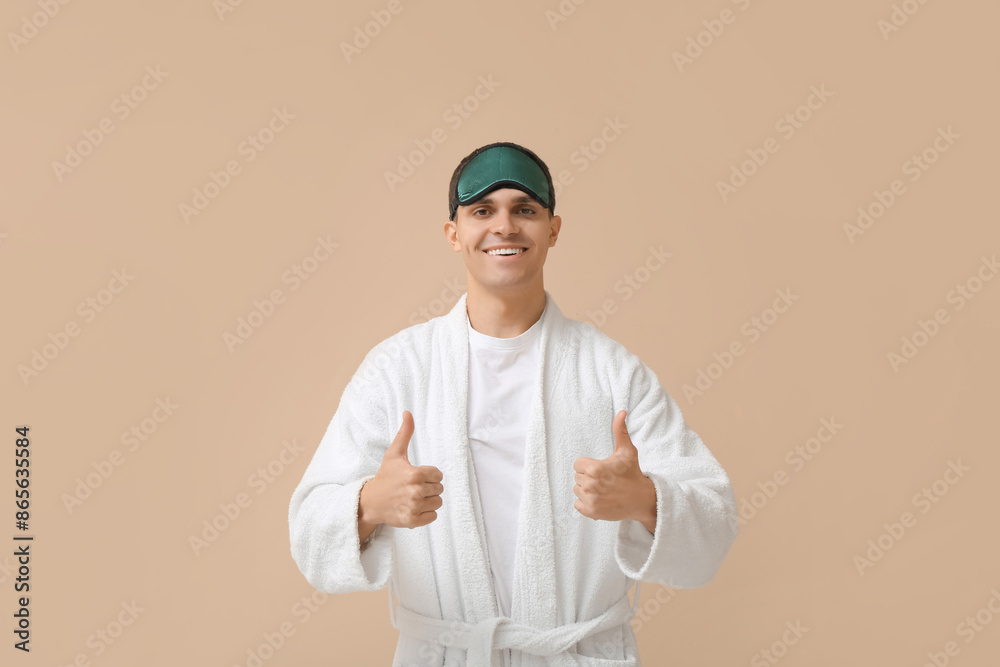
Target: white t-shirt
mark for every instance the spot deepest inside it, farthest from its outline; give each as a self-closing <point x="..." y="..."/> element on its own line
<point x="501" y="375"/>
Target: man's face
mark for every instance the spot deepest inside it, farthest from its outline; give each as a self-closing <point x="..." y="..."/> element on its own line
<point x="503" y="218"/>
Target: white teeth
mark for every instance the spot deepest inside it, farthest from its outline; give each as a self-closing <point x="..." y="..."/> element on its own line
<point x="505" y="251"/>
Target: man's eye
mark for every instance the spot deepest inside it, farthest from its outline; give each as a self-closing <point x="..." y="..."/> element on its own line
<point x="522" y="210"/>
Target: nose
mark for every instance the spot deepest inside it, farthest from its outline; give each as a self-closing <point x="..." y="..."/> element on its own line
<point x="503" y="223"/>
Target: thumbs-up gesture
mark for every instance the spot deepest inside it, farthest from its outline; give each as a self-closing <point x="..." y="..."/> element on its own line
<point x="401" y="494"/>
<point x="615" y="488"/>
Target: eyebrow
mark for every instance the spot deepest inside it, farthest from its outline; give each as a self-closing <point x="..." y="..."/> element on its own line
<point x="519" y="200"/>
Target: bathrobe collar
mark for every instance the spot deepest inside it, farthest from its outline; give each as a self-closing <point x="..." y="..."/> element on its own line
<point x="534" y="596"/>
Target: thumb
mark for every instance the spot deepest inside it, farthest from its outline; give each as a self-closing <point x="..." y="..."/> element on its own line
<point x="399" y="445"/>
<point x="623" y="442"/>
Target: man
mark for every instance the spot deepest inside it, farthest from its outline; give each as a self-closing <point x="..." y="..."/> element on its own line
<point x="554" y="504"/>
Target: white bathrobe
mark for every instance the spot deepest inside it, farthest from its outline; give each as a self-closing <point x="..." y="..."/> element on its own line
<point x="572" y="574"/>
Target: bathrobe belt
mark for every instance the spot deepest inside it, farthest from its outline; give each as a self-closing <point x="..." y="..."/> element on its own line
<point x="484" y="639"/>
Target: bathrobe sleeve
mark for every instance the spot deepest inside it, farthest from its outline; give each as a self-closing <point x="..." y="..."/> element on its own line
<point x="323" y="512"/>
<point x="696" y="513"/>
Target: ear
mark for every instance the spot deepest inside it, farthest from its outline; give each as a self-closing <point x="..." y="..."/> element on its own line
<point x="556" y="223"/>
<point x="451" y="234"/>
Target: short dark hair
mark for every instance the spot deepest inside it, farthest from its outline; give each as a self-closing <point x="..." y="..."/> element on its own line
<point x="453" y="186"/>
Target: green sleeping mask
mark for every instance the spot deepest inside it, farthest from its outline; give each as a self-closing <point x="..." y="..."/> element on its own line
<point x="502" y="167"/>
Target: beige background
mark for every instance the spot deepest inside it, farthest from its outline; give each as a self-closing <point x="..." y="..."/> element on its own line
<point x="162" y="337"/>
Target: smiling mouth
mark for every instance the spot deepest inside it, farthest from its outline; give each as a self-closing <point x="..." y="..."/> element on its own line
<point x="506" y="253"/>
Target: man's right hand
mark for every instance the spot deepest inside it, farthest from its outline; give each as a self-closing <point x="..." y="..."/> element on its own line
<point x="400" y="494"/>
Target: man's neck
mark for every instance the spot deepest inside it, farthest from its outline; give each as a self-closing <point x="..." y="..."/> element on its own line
<point x="503" y="315"/>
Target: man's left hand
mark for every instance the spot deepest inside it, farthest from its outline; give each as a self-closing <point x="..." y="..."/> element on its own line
<point x="615" y="488"/>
